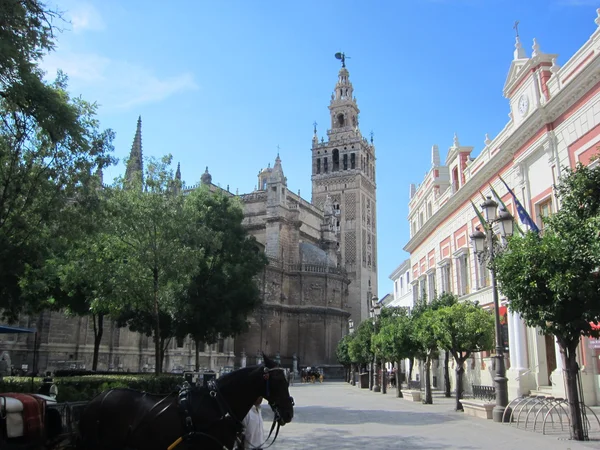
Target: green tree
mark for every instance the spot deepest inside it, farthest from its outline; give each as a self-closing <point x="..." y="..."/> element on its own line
<point x="50" y="145"/>
<point x="443" y="300"/>
<point x="359" y="348"/>
<point x="84" y="267"/>
<point x="223" y="289"/>
<point x="342" y="355"/>
<point x="149" y="234"/>
<point x="395" y="341"/>
<point x="552" y="279"/>
<point x="463" y="329"/>
<point x="427" y="345"/>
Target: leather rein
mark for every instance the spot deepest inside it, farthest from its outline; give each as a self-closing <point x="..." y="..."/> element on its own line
<point x="226" y="414"/>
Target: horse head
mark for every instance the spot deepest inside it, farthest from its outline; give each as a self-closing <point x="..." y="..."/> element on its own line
<point x="276" y="390"/>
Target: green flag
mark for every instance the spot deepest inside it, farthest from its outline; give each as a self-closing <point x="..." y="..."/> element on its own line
<point x="499" y="200"/>
<point x="481" y="219"/>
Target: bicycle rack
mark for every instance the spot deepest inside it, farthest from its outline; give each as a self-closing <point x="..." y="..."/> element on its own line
<point x="539" y="413"/>
<point x="517" y="401"/>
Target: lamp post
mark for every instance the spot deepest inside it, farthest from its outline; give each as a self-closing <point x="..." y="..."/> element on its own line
<point x="483" y="245"/>
<point x="376" y="310"/>
<point x="350" y="331"/>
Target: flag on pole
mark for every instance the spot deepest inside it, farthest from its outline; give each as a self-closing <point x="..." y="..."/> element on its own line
<point x="523" y="215"/>
<point x="481" y="219"/>
<point x="499" y="200"/>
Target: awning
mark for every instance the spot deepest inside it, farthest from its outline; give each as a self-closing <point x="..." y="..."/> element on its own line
<point x="4" y="329"/>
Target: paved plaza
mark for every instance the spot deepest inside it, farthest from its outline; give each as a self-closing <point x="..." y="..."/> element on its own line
<point x="339" y="416"/>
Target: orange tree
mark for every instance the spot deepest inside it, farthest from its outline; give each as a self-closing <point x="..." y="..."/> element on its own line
<point x="553" y="279"/>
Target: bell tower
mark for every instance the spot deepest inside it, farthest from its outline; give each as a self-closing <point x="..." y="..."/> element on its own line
<point x="343" y="168"/>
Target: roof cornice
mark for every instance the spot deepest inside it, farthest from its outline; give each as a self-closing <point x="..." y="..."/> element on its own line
<point x="557" y="105"/>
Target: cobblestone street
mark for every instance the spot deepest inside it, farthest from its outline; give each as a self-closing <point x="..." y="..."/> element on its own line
<point x="339" y="416"/>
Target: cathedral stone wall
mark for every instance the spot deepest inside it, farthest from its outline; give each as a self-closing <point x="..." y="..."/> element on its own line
<point x="303" y="314"/>
<point x="64" y="340"/>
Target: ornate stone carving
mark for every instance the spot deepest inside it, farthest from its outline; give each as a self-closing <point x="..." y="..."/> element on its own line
<point x="350" y="206"/>
<point x="350" y="247"/>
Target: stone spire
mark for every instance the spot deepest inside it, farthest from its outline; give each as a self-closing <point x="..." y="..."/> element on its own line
<point x="455" y="141"/>
<point x="277" y="172"/>
<point x="206" y="177"/>
<point x="135" y="165"/>
<point x="435" y="156"/>
<point x="343" y="108"/>
<point x="536" y="48"/>
<point x="178" y="172"/>
<point x="519" y="50"/>
<point x="100" y="176"/>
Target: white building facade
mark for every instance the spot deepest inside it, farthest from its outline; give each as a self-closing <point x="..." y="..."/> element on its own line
<point x="554" y="122"/>
<point x="403" y="293"/>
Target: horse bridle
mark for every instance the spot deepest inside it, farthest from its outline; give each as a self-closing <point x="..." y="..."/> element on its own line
<point x="226" y="413"/>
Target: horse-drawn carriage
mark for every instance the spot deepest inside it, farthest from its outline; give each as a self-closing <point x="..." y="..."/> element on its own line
<point x="311" y="374"/>
<point x="35" y="420"/>
<point x="208" y="415"/>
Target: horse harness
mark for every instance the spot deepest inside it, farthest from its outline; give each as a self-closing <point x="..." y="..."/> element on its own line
<point x="226" y="414"/>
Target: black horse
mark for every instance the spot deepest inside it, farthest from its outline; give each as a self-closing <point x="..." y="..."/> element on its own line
<point x="196" y="417"/>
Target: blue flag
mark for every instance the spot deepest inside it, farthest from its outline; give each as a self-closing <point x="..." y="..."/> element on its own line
<point x="523" y="215"/>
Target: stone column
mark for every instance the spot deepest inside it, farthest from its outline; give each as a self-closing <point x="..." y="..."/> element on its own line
<point x="558" y="375"/>
<point x="243" y="362"/>
<point x="520" y="377"/>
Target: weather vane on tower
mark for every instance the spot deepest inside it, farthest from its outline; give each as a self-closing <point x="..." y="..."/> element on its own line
<point x="516" y="27"/>
<point x="342" y="57"/>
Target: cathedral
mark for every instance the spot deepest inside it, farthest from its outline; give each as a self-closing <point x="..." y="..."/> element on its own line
<point x="322" y="267"/>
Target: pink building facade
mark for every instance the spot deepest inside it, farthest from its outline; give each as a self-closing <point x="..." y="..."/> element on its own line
<point x="554" y="122"/>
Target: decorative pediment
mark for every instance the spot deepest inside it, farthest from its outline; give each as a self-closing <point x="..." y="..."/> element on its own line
<point x="514" y="74"/>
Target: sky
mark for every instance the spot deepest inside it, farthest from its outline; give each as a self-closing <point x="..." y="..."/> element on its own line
<point x="224" y="84"/>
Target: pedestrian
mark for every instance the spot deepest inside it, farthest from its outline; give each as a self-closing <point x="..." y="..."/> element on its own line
<point x="254" y="434"/>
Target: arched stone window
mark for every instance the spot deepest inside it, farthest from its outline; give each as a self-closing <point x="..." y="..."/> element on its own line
<point x="336" y="160"/>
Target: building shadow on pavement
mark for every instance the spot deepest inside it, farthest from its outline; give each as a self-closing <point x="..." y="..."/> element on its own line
<point x="343" y="416"/>
<point x="330" y="439"/>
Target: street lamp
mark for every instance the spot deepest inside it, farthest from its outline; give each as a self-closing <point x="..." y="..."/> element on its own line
<point x="376" y="310"/>
<point x="483" y="246"/>
<point x="350" y="331"/>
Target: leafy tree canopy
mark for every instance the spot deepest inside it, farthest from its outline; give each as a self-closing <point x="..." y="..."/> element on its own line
<point x="552" y="279"/>
<point x="464" y="328"/>
<point x="342" y="350"/>
<point x="394" y="340"/>
<point x="223" y="289"/>
<point x="359" y="347"/>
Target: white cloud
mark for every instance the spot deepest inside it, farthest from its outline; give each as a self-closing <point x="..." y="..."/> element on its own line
<point x="83" y="16"/>
<point x="115" y="84"/>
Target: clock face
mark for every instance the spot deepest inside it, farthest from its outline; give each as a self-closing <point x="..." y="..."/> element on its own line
<point x="523" y="104"/>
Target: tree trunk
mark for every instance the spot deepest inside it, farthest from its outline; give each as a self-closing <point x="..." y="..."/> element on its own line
<point x="398" y="389"/>
<point x="460" y="371"/>
<point x="428" y="397"/>
<point x="569" y="355"/>
<point x="383" y="377"/>
<point x="98" y="332"/>
<point x="197" y="345"/>
<point x="157" y="349"/>
<point x="447" y="374"/>
<point x="371" y="371"/>
<point x="164" y="343"/>
<point x="411" y="363"/>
